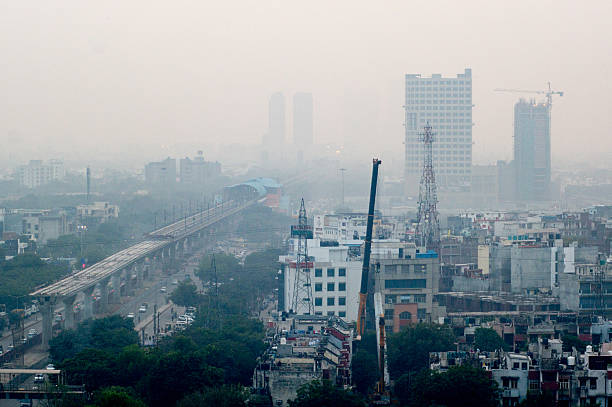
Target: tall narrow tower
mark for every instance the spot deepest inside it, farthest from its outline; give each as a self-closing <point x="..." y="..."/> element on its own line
<point x="428" y="224"/>
<point x="302" y="301"/>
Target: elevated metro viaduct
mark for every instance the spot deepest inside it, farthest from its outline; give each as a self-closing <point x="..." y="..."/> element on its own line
<point x="125" y="270"/>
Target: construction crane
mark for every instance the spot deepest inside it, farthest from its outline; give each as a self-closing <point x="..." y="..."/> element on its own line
<point x="549" y="93"/>
<point x="365" y="270"/>
<point x="380" y="397"/>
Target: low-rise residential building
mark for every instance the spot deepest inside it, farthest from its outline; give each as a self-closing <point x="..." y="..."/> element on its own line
<point x="96" y="212"/>
<point x="303" y="349"/>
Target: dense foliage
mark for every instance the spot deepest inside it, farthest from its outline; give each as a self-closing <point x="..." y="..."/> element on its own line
<point x="488" y="340"/>
<point x="325" y="394"/>
<point x="462" y="386"/>
<point x="408" y="350"/>
<point x="20" y="275"/>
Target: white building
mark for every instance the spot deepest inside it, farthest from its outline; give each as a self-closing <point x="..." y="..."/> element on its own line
<point x="37" y="173"/>
<point x="97" y="212"/>
<point x="446" y="104"/>
<point x="340" y="226"/>
<point x="335" y="280"/>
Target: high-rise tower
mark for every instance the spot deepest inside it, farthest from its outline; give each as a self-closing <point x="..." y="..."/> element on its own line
<point x="302" y="301"/>
<point x="428" y="224"/>
<point x="446" y="103"/>
<point x="532" y="150"/>
<point x="276" y="121"/>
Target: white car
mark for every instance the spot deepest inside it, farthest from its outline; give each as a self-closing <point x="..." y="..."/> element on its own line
<point x="50" y="366"/>
<point x="130" y="315"/>
<point x="39" y="378"/>
<point x="142" y="309"/>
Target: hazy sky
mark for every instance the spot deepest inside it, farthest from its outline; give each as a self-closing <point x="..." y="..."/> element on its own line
<point x="93" y="77"/>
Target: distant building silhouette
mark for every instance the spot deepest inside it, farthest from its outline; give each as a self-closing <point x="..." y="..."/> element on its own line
<point x="276" y="120"/>
<point x="162" y="172"/>
<point x="198" y="171"/>
<point x="532" y="150"/>
<point x="303" y="119"/>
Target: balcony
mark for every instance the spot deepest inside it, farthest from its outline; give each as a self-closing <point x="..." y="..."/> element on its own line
<point x="511" y="393"/>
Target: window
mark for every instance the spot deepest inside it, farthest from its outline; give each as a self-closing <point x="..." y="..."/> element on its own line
<point x="341" y="286"/>
<point x="331" y="286"/>
<point x="390" y="268"/>
<point x="506" y="382"/>
<point x="593" y="383"/>
<point x="524" y="365"/>
<point x="421" y="313"/>
<point x="342" y="272"/>
<point x="389" y="314"/>
<point x="534" y="385"/>
<point x="405" y="268"/>
<point x="405" y="299"/>
<point x="318" y="301"/>
<point x="515" y="365"/>
<point x="342" y="314"/>
<point x="419" y="298"/>
<point x="330" y="272"/>
<point x="406" y="283"/>
<point x="405" y="316"/>
<point x="318" y="313"/>
<point x="318" y="287"/>
<point x="318" y="272"/>
<point x="331" y="301"/>
<point x="390" y="299"/>
<point x="341" y="300"/>
<point x="330" y="313"/>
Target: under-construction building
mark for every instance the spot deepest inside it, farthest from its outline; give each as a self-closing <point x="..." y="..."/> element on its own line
<point x="446" y="103"/>
<point x="532" y="150"/>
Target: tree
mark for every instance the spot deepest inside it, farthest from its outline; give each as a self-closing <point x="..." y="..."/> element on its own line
<point x="570" y="341"/>
<point x="116" y="397"/>
<point x="462" y="386"/>
<point x="324" y="394"/>
<point x="408" y="350"/>
<point x="224" y="396"/>
<point x="486" y="339"/>
<point x="364" y="369"/>
<point x="543" y="399"/>
<point x="186" y="294"/>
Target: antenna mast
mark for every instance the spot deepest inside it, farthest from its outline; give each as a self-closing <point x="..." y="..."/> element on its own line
<point x="428" y="224"/>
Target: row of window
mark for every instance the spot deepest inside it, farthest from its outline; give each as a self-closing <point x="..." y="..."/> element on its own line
<point x="428" y="82"/>
<point x="330" y="286"/>
<point x="331" y="272"/>
<point x="331" y="301"/>
<point x="341" y="314"/>
<point x="406" y="283"/>
<point x="465" y="107"/>
<point x="405" y="299"/>
<point x="421" y="314"/>
<point x="405" y="268"/>
<point x="439" y="101"/>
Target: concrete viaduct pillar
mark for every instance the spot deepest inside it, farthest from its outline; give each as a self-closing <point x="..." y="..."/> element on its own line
<point x="69" y="311"/>
<point x="87" y="303"/>
<point x="47" y="305"/>
<point x="103" y="301"/>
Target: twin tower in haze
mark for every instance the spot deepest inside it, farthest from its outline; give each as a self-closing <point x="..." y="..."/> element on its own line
<point x="302" y="121"/>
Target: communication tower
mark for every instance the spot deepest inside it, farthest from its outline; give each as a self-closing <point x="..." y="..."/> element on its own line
<point x="302" y="303"/>
<point x="428" y="225"/>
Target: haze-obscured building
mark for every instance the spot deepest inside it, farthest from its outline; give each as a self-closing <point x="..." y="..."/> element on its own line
<point x="275" y="136"/>
<point x="532" y="150"/>
<point x="446" y="104"/>
<point x="37" y="173"/>
<point x="161" y="172"/>
<point x="198" y="171"/>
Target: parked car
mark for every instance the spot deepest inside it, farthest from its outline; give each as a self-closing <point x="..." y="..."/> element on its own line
<point x="163" y="289"/>
<point x="50" y="366"/>
<point x="130" y="315"/>
<point x="39" y="378"/>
